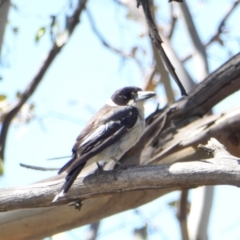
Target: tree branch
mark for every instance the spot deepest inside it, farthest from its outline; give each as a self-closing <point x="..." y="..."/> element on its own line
<point x="220" y="29"/>
<point x="213" y="89"/>
<point x="73" y="21"/>
<point x="170" y="122"/>
<point x="199" y="54"/>
<point x="38" y="168"/>
<point x="172" y="22"/>
<point x="4" y="9"/>
<point x="153" y="33"/>
<point x="182" y="214"/>
<point x="107" y="45"/>
<point x="93" y="231"/>
<point x="224" y="169"/>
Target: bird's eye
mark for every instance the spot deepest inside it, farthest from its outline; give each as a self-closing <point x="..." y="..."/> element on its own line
<point x="127" y="95"/>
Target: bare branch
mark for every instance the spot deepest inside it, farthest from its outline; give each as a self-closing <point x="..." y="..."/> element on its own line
<point x="224" y="169"/>
<point x="187" y="80"/>
<point x="200" y="56"/>
<point x="160" y="67"/>
<point x="173" y="22"/>
<point x="220" y="29"/>
<point x="38" y="168"/>
<point x="73" y="21"/>
<point x="201" y="68"/>
<point x="106" y="44"/>
<point x="224" y="80"/>
<point x="189" y="111"/>
<point x="182" y="214"/>
<point x="93" y="231"/>
<point x="153" y="32"/>
<point x="4" y="8"/>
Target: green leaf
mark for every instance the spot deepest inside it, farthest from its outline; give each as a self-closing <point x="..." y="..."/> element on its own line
<point x="1" y="167"/>
<point x="40" y="33"/>
<point x="53" y="21"/>
<point x="15" y="30"/>
<point x="31" y="106"/>
<point x="18" y="95"/>
<point x="3" y="98"/>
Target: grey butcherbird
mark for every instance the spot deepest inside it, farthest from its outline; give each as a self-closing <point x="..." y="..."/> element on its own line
<point x="111" y="132"/>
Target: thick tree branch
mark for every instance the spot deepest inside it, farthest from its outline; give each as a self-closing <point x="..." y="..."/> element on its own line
<point x="162" y="136"/>
<point x="73" y="21"/>
<point x="224" y="169"/>
<point x="218" y="85"/>
<point x="169" y="122"/>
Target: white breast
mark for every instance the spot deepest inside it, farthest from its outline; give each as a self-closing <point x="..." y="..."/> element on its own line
<point x="123" y="144"/>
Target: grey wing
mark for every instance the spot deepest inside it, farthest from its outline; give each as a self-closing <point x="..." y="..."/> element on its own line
<point x="89" y="143"/>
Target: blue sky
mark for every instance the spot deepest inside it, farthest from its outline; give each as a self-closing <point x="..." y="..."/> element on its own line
<point x="79" y="81"/>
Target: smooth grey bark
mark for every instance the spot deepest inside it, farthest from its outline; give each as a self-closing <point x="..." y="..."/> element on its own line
<point x="175" y="131"/>
<point x="224" y="169"/>
<point x="4" y="9"/>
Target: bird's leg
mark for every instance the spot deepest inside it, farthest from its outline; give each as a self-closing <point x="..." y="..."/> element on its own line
<point x="122" y="165"/>
<point x="100" y="168"/>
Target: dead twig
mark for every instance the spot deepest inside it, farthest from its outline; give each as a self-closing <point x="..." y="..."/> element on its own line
<point x="220" y="30"/>
<point x="38" y="168"/>
<point x="106" y="44"/>
<point x="153" y="33"/>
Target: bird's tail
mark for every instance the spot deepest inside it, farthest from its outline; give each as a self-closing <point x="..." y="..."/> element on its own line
<point x="70" y="178"/>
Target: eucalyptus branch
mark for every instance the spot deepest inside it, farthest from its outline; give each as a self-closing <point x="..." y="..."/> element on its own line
<point x="154" y="35"/>
<point x="30" y="89"/>
<point x="223" y="169"/>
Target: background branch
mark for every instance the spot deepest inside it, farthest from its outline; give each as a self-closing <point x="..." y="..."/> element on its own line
<point x="153" y="32"/>
<point x="182" y="213"/>
<point x="199" y="55"/>
<point x="106" y="44"/>
<point x="220" y="29"/>
<point x="30" y="89"/>
<point x="200" y="100"/>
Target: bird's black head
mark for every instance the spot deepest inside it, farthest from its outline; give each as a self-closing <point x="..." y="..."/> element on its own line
<point x="126" y="95"/>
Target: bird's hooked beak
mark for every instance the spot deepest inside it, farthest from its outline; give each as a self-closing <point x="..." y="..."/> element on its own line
<point x="143" y="95"/>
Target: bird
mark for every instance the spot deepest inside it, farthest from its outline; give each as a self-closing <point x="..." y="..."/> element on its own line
<point x="109" y="134"/>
